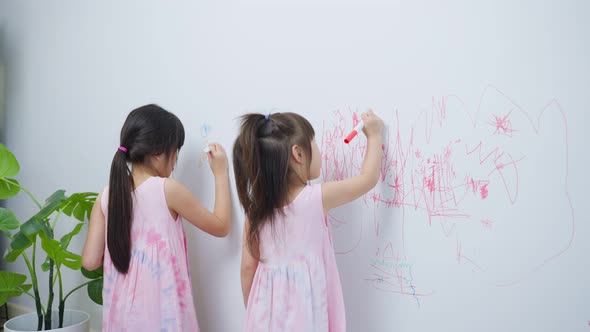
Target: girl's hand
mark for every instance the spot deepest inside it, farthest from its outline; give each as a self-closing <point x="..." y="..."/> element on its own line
<point x="217" y="159"/>
<point x="373" y="125"/>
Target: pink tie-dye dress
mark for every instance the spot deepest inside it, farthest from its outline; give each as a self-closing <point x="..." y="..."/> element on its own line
<point x="156" y="293"/>
<point x="296" y="286"/>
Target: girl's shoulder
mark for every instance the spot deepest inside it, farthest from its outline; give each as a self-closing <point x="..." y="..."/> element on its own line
<point x="310" y="195"/>
<point x="173" y="188"/>
<point x="103" y="198"/>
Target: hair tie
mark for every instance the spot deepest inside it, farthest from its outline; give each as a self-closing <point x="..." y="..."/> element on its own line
<point x="122" y="148"/>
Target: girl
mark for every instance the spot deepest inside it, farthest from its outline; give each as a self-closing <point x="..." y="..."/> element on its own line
<point x="147" y="285"/>
<point x="289" y="276"/>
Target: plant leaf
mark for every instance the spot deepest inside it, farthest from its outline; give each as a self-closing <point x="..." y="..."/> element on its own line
<point x="51" y="204"/>
<point x="9" y="166"/>
<point x="66" y="239"/>
<point x="18" y="244"/>
<point x="20" y="241"/>
<point x="25" y="288"/>
<point x="33" y="226"/>
<point x="61" y="256"/>
<point x="8" y="188"/>
<point x="93" y="274"/>
<point x="8" y="221"/>
<point x="10" y="255"/>
<point x="39" y="222"/>
<point x="79" y="205"/>
<point x="95" y="291"/>
<point x="11" y="285"/>
<point x="45" y="265"/>
<point x="71" y="260"/>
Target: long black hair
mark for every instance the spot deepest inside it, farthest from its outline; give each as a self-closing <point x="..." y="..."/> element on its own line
<point x="148" y="130"/>
<point x="261" y="157"/>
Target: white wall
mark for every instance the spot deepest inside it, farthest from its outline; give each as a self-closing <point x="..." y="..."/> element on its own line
<point x="75" y="69"/>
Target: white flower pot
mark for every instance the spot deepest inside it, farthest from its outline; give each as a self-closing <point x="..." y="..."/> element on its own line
<point x="74" y="321"/>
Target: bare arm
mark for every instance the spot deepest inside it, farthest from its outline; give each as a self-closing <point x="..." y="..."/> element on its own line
<point x="337" y="193"/>
<point x="222" y="208"/>
<point x="93" y="252"/>
<point x="182" y="201"/>
<point x="248" y="266"/>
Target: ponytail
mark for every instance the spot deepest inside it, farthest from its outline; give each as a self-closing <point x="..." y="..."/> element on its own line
<point x="261" y="156"/>
<point x="119" y="212"/>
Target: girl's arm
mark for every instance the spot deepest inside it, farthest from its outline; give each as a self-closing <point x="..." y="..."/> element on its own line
<point x="249" y="265"/>
<point x="341" y="192"/>
<point x="182" y="201"/>
<point x="94" y="246"/>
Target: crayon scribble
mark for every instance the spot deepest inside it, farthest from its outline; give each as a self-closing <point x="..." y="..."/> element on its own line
<point x="448" y="170"/>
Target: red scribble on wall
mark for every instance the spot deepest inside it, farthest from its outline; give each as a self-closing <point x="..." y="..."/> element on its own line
<point x="502" y="125"/>
<point x="424" y="174"/>
<point x="487" y="223"/>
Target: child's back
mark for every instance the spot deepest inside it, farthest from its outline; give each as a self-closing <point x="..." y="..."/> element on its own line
<point x="155" y="293"/>
<point x="135" y="230"/>
<point x="297" y="280"/>
<point x="289" y="275"/>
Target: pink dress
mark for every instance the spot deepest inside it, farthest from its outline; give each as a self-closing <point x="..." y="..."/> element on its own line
<point x="156" y="294"/>
<point x="296" y="286"/>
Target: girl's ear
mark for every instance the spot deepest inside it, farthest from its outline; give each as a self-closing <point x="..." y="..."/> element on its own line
<point x="156" y="158"/>
<point x="297" y="154"/>
<point x="159" y="161"/>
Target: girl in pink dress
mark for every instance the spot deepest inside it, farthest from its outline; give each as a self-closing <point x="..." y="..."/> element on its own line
<point x="289" y="275"/>
<point x="136" y="231"/>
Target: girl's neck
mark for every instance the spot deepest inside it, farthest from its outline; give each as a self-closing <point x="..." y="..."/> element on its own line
<point x="141" y="173"/>
<point x="294" y="191"/>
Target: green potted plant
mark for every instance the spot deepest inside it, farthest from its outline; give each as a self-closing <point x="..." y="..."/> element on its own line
<point x="24" y="240"/>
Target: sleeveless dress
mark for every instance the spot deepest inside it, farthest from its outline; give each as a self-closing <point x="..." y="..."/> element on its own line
<point x="156" y="292"/>
<point x="296" y="286"/>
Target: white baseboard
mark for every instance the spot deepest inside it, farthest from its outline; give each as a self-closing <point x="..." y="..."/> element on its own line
<point x="17" y="310"/>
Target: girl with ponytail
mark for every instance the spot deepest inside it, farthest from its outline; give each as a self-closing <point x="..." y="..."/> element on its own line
<point x="289" y="277"/>
<point x="136" y="232"/>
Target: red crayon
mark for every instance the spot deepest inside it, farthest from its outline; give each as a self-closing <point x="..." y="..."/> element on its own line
<point x="354" y="132"/>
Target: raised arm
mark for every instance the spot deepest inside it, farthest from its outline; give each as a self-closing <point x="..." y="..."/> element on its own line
<point x="182" y="201"/>
<point x="337" y="193"/>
